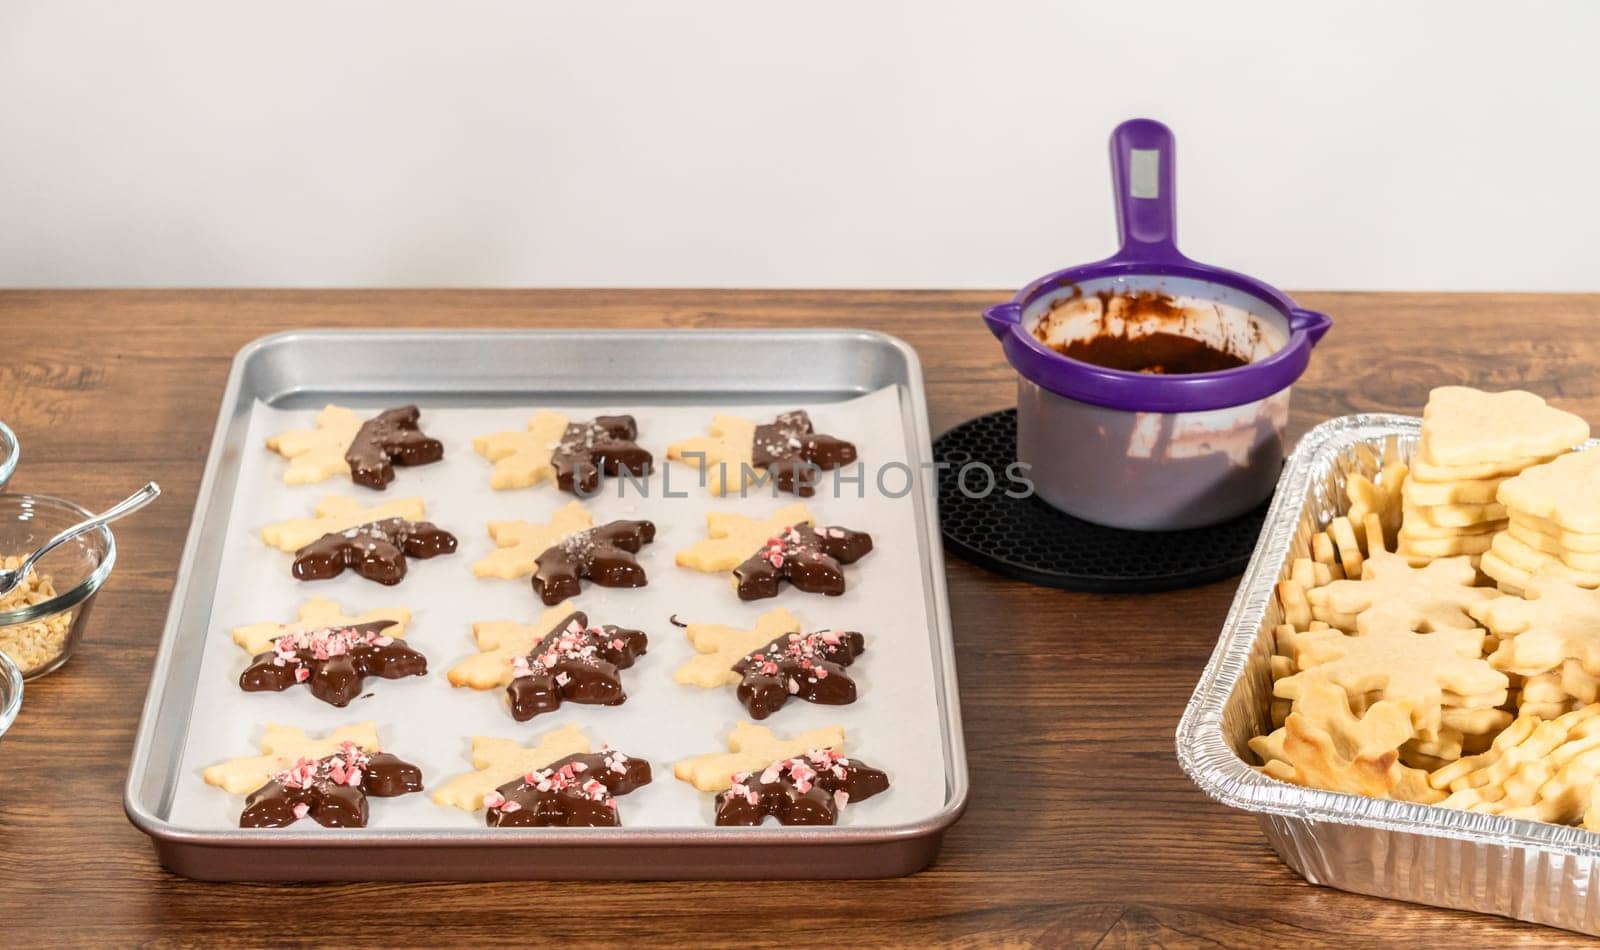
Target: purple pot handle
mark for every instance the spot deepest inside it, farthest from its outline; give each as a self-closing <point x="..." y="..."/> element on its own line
<point x="1143" y="156"/>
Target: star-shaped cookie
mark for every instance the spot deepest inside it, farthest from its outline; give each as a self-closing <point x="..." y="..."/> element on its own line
<point x="1325" y="745"/>
<point x="282" y="747"/>
<point x="522" y="459"/>
<point x="1555" y="621"/>
<point x="720" y="647"/>
<point x="318" y="454"/>
<point x="1463" y="427"/>
<point x="316" y="614"/>
<point x="784" y="546"/>
<point x="752" y="747"/>
<point x="723" y="456"/>
<point x="731" y="538"/>
<point x="521" y="542"/>
<point x="1392" y="662"/>
<point x="499" y="642"/>
<point x="498" y="761"/>
<point x="334" y="514"/>
<point x="1429" y="598"/>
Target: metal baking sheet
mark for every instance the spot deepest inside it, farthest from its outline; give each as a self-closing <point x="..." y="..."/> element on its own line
<point x="1423" y="853"/>
<point x="479" y="375"/>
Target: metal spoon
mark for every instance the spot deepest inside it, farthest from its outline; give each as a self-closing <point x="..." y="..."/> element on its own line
<point x="135" y="501"/>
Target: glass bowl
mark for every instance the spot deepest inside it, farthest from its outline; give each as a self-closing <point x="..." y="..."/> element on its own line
<point x="10" y="450"/>
<point x="10" y="693"/>
<point x="42" y="619"/>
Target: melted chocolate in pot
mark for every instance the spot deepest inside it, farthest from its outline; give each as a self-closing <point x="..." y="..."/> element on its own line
<point x="1157" y="353"/>
<point x="1172" y="351"/>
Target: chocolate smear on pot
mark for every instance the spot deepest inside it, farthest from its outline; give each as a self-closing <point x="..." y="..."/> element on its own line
<point x="332" y="790"/>
<point x="604" y="446"/>
<point x="573" y="663"/>
<point x="332" y="661"/>
<point x="808" y="557"/>
<point x="604" y="554"/>
<point x="578" y="791"/>
<point x="376" y="550"/>
<point x="388" y="439"/>
<point x="795" y="455"/>
<point x="808" y="789"/>
<point x="808" y="666"/>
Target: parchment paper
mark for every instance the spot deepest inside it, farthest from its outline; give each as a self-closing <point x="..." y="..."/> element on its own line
<point x="893" y="725"/>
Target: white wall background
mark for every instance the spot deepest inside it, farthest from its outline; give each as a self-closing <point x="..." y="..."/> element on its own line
<point x="841" y="143"/>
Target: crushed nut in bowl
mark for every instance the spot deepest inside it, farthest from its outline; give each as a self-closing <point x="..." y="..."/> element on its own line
<point x="42" y="618"/>
<point x="32" y="644"/>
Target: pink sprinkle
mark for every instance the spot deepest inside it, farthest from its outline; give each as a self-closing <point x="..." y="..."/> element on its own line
<point x="301" y="674"/>
<point x="509" y="807"/>
<point x="493" y="800"/>
<point x="301" y="809"/>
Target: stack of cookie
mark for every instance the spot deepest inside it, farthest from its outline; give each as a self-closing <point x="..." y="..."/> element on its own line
<point x="1543" y="769"/>
<point x="1553" y="525"/>
<point x="1472" y="443"/>
<point x="1549" y="636"/>
<point x="1390" y="637"/>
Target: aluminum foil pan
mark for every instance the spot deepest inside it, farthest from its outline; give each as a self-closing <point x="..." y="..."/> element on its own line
<point x="1548" y="874"/>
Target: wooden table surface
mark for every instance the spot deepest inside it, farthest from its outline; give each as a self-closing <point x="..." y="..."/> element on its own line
<point x="1082" y="830"/>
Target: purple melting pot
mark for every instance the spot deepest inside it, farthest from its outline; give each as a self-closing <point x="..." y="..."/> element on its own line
<point x="1149" y="447"/>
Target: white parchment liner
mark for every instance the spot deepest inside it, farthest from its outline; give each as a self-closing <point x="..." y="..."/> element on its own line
<point x="893" y="725"/>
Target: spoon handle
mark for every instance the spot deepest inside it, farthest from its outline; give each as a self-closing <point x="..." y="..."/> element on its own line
<point x="132" y="503"/>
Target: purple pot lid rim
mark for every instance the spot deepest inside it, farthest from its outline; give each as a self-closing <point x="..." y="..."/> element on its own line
<point x="1142" y="159"/>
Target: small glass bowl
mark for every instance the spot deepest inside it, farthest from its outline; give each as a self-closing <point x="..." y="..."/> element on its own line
<point x="39" y="632"/>
<point x="10" y="693"/>
<point x="10" y="451"/>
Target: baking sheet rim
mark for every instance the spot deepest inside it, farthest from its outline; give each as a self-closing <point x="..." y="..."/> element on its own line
<point x="914" y="403"/>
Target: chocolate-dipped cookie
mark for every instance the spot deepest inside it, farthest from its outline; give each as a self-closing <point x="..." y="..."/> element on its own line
<point x="603" y="554"/>
<point x="578" y="791"/>
<point x="376" y="551"/>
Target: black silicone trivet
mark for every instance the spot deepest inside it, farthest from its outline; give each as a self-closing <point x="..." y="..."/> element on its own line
<point x="1029" y="540"/>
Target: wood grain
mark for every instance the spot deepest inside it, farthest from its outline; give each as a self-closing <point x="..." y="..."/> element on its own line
<point x="1082" y="829"/>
